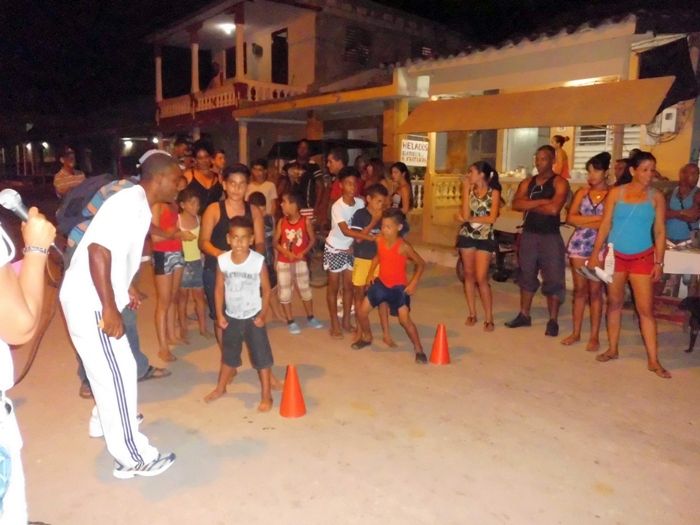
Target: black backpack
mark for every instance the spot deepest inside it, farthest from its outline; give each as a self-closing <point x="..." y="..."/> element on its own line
<point x="70" y="212"/>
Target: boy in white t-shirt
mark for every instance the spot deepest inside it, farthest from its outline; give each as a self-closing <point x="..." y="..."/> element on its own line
<point x="258" y="182"/>
<point x="240" y="278"/>
<point x="337" y="253"/>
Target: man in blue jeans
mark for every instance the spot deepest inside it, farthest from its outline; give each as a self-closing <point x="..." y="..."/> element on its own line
<point x="144" y="370"/>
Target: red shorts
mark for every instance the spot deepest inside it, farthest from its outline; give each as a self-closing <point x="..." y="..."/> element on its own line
<point x="641" y="263"/>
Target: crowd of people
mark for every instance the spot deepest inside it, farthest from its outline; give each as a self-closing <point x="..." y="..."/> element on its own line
<point x="236" y="246"/>
<point x="620" y="238"/>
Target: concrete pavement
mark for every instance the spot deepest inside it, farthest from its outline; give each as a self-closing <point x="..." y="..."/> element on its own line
<point x="517" y="430"/>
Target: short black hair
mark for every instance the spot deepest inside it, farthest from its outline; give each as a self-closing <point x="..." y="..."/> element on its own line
<point x="257" y="199"/>
<point x="259" y="162"/>
<point x="240" y="221"/>
<point x="377" y="189"/>
<point x="187" y="194"/>
<point x="339" y="153"/>
<point x="237" y="169"/>
<point x="394" y="214"/>
<point x="202" y="145"/>
<point x="181" y="139"/>
<point x="348" y="171"/>
<point x="294" y="197"/>
<point x="157" y="163"/>
<point x="549" y="149"/>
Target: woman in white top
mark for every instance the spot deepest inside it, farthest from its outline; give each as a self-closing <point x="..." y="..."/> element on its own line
<point x="20" y="311"/>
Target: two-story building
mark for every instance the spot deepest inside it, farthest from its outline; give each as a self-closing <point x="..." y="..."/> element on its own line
<point x="246" y="53"/>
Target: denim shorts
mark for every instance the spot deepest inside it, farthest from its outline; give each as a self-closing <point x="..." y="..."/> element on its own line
<point x="164" y="263"/>
<point x="396" y="296"/>
<point x="192" y="275"/>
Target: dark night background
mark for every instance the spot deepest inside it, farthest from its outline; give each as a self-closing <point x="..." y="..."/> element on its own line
<point x="74" y="57"/>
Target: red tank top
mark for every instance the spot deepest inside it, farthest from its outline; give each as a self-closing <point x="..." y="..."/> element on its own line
<point x="294" y="237"/>
<point x="167" y="221"/>
<point x="392" y="264"/>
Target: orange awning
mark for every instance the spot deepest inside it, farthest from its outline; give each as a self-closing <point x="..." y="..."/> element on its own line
<point x="625" y="102"/>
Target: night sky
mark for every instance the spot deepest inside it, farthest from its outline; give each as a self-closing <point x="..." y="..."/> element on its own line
<point x="67" y="57"/>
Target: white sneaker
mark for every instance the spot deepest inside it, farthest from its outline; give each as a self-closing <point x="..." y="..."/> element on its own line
<point x="95" y="427"/>
<point x="149" y="470"/>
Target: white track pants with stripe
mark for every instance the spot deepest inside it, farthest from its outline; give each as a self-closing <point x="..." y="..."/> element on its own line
<point x="111" y="370"/>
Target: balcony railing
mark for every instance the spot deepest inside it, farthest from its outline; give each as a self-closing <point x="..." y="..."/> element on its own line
<point x="447" y="191"/>
<point x="231" y="95"/>
<point x="417" y="190"/>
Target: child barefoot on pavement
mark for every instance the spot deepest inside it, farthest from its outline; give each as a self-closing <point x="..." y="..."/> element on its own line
<point x="243" y="287"/>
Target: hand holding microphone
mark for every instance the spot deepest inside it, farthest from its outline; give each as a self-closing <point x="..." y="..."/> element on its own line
<point x="37" y="232"/>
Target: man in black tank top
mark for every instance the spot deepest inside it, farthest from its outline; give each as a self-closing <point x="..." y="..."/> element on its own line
<point x="541" y="199"/>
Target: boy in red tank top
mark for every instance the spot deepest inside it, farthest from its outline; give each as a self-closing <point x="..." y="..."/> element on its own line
<point x="293" y="241"/>
<point x="392" y="286"/>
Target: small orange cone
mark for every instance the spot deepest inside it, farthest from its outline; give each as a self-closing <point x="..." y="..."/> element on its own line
<point x="440" y="354"/>
<point x="292" y="399"/>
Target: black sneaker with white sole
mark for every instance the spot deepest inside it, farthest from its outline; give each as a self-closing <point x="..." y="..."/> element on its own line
<point x="149" y="470"/>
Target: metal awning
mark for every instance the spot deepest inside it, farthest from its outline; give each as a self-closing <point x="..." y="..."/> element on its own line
<point x="624" y="102"/>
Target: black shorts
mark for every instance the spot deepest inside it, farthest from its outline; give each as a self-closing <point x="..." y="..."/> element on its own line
<point x="240" y="330"/>
<point x="483" y="245"/>
<point x="395" y="297"/>
<point x="546" y="253"/>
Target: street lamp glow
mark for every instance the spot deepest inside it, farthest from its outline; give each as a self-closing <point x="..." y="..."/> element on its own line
<point x="154" y="140"/>
<point x="29" y="146"/>
<point x="128" y="144"/>
<point x="228" y="28"/>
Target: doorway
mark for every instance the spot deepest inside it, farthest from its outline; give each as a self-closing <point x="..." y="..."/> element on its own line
<point x="280" y="57"/>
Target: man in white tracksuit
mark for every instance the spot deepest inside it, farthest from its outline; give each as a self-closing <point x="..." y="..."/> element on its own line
<point x="96" y="288"/>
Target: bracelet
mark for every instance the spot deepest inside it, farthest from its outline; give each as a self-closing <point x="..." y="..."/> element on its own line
<point x="35" y="249"/>
<point x="659" y="263"/>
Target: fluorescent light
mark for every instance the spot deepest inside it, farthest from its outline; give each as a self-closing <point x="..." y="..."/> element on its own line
<point x="128" y="144"/>
<point x="228" y="28"/>
<point x="583" y="82"/>
<point x="45" y="144"/>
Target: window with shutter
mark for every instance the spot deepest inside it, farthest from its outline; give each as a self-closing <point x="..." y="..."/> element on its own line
<point x="591" y="140"/>
<point x="358" y="45"/>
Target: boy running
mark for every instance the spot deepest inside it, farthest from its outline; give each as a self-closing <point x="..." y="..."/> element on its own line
<point x="392" y="285"/>
<point x="293" y="243"/>
<point x="240" y="278"/>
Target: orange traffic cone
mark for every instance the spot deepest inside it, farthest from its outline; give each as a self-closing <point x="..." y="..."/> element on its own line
<point x="440" y="354"/>
<point x="292" y="399"/>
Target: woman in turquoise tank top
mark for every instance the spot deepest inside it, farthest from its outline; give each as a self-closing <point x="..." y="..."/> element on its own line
<point x="632" y="212"/>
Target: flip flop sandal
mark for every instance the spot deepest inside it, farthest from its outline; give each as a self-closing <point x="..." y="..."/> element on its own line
<point x="661" y="372"/>
<point x="155" y="373"/>
<point x="604" y="358"/>
<point x="488" y="327"/>
<point x="359" y="345"/>
<point x="471" y="320"/>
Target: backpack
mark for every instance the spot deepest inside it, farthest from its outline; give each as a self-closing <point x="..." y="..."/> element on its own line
<point x="70" y="212"/>
<point x="76" y="233"/>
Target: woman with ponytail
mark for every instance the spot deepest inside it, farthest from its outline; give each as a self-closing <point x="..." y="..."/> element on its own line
<point x="561" y="159"/>
<point x="481" y="202"/>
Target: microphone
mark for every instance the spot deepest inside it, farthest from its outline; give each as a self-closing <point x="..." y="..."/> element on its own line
<point x="12" y="201"/>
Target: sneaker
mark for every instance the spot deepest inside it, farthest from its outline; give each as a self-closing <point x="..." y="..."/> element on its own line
<point x="552" y="328"/>
<point x="294" y="328"/>
<point x="85" y="391"/>
<point x="155" y="467"/>
<point x="519" y="320"/>
<point x="95" y="427"/>
<point x="421" y="358"/>
<point x="315" y="323"/>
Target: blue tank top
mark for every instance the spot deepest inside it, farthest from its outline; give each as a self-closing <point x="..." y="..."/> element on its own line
<point x="677" y="230"/>
<point x="632" y="224"/>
